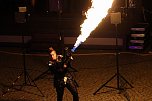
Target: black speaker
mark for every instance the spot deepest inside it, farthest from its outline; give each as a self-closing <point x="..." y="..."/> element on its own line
<point x="20" y="16"/>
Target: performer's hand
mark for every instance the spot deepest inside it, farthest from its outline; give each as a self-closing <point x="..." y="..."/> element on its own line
<point x="65" y="66"/>
<point x="51" y="63"/>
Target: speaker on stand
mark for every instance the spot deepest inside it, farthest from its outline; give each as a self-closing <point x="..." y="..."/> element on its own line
<point x="115" y="19"/>
<point x="21" y="20"/>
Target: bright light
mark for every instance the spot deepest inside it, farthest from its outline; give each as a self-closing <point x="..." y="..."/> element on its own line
<point x="94" y="16"/>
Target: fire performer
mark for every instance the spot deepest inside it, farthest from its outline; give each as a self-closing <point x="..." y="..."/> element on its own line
<point x="62" y="77"/>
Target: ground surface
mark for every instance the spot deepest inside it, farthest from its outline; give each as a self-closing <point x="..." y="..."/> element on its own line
<point x="94" y="68"/>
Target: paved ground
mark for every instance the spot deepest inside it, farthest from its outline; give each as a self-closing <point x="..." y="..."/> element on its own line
<point x="94" y="68"/>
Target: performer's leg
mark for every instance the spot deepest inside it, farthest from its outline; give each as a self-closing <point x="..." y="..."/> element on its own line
<point x="71" y="86"/>
<point x="60" y="91"/>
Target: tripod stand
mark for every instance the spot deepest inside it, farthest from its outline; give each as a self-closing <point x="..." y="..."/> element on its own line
<point x="117" y="74"/>
<point x="27" y="80"/>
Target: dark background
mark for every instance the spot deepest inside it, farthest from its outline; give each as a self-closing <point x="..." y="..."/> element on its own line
<point x="45" y="17"/>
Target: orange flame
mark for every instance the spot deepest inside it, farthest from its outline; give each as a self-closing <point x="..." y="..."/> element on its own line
<point x="94" y="16"/>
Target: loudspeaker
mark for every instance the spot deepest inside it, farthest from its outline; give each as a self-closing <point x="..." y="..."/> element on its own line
<point x="20" y="16"/>
<point x="22" y="9"/>
<point x="115" y="18"/>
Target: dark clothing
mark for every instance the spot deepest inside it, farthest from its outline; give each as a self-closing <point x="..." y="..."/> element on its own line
<point x="60" y="72"/>
<point x="71" y="86"/>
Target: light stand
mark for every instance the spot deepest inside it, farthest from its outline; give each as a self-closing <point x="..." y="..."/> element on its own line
<point x="115" y="19"/>
<point x="27" y="80"/>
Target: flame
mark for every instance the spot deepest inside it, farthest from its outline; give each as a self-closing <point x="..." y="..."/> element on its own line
<point x="94" y="16"/>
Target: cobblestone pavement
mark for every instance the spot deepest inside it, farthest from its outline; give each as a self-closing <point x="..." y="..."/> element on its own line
<point x="94" y="68"/>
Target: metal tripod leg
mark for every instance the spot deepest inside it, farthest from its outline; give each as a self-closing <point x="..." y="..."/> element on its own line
<point x="118" y="83"/>
<point x="38" y="77"/>
<point x="27" y="82"/>
<point x="104" y="84"/>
